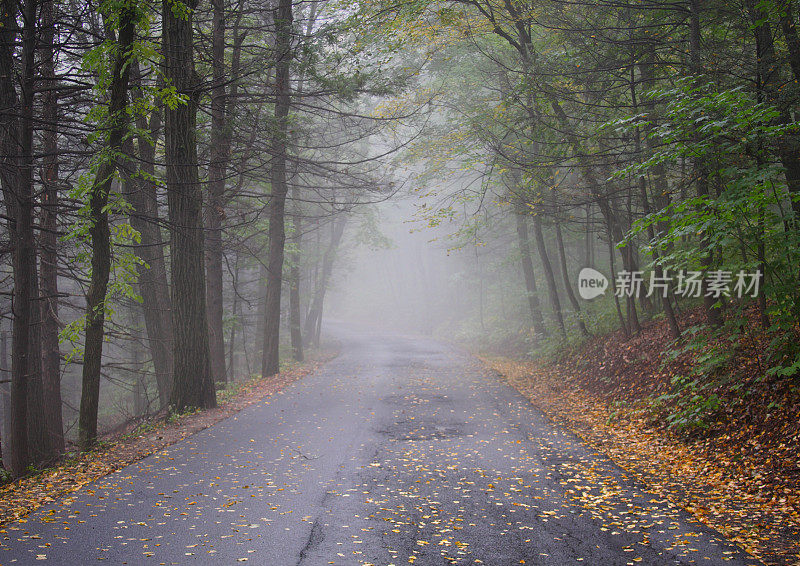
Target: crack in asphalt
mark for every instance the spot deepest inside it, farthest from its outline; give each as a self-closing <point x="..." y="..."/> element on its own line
<point x="315" y="538"/>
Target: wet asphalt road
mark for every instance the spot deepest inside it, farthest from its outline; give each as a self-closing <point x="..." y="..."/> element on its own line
<point x="400" y="451"/>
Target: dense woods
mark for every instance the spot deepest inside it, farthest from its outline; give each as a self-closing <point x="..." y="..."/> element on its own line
<point x="179" y="179"/>
<point x="653" y="143"/>
<point x="154" y="159"/>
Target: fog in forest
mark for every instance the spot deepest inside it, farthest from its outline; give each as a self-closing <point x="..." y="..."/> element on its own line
<point x="404" y="282"/>
<point x="587" y="209"/>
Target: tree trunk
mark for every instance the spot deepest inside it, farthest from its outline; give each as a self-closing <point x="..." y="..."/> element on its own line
<point x="39" y="444"/>
<point x="530" y="278"/>
<point x="261" y="311"/>
<point x="548" y="274"/>
<point x="9" y="117"/>
<point x="17" y="204"/>
<point x="789" y="149"/>
<point x="270" y="364"/>
<point x="588" y="259"/>
<point x="152" y="279"/>
<point x="314" y="317"/>
<point x="236" y="321"/>
<point x="5" y="399"/>
<point x="141" y="193"/>
<point x="562" y="256"/>
<point x="616" y="234"/>
<point x="611" y="265"/>
<point x="765" y="53"/>
<point x="140" y="404"/>
<point x="48" y="240"/>
<point x="193" y="383"/>
<point x="294" y="284"/>
<point x="710" y="304"/>
<point x="767" y="71"/>
<point x="215" y="210"/>
<point x="18" y="185"/>
<point x="100" y="235"/>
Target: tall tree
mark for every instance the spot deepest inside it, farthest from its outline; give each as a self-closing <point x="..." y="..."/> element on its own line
<point x="701" y="173"/>
<point x="531" y="291"/>
<point x="48" y="240"/>
<point x="193" y="382"/>
<point x="17" y="180"/>
<point x="141" y="192"/>
<point x="220" y="154"/>
<point x="270" y="364"/>
<point x="99" y="232"/>
<point x="294" y="281"/>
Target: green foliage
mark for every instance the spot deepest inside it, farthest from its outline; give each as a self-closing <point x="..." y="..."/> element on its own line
<point x="746" y="221"/>
<point x="692" y="403"/>
<point x="690" y="407"/>
<point x="181" y="10"/>
<point x="699" y="121"/>
<point x="99" y="62"/>
<point x="369" y="232"/>
<point x="146" y="426"/>
<point x="174" y="415"/>
<point x="122" y="281"/>
<point x="789" y="368"/>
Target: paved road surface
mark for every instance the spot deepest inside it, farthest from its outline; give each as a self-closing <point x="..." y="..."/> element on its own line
<point x="400" y="451"/>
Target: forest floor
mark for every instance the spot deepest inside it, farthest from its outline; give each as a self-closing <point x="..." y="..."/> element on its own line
<point x="140" y="439"/>
<point x="739" y="472"/>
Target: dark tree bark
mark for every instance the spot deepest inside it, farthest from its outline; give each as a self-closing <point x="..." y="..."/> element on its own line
<point x="562" y="256"/>
<point x="549" y="276"/>
<point x="588" y="255"/>
<point x="611" y="263"/>
<point x="193" y="383"/>
<point x="141" y="192"/>
<point x="215" y="211"/>
<point x="15" y="437"/>
<point x="700" y="168"/>
<point x="270" y="364"/>
<point x="5" y="399"/>
<point x="17" y="180"/>
<point x="789" y="148"/>
<point x="529" y="275"/>
<point x="29" y="441"/>
<point x="39" y="444"/>
<point x="9" y="117"/>
<point x="99" y="232"/>
<point x="48" y="241"/>
<point x="770" y="86"/>
<point x="764" y="70"/>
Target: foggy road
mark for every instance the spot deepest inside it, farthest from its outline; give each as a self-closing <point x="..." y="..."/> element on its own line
<point x="401" y="450"/>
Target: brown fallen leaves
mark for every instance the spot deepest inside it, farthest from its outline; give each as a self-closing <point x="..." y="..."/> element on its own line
<point x="742" y="478"/>
<point x="23" y="496"/>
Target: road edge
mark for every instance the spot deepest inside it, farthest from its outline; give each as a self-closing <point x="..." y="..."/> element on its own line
<point x="21" y="497"/>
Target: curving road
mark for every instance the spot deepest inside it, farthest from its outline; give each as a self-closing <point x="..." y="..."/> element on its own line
<point x="400" y="451"/>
